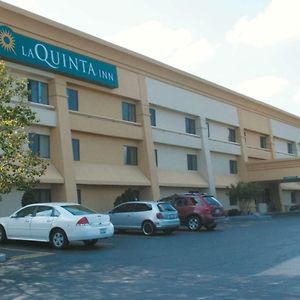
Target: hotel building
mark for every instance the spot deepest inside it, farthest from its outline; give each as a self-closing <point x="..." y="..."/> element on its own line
<point x="112" y="119"/>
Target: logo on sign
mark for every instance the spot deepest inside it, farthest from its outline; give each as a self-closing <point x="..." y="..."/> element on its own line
<point x="29" y="51"/>
<point x="7" y="41"/>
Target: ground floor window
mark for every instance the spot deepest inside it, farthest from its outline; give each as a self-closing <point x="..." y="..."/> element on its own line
<point x="36" y="196"/>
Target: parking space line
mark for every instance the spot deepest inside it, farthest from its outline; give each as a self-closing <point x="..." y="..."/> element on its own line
<point x="33" y="254"/>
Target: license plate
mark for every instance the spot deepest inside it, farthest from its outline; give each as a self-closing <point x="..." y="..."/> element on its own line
<point x="102" y="230"/>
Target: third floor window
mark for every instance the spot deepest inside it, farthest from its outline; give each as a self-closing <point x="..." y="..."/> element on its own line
<point x="263" y="142"/>
<point x="231" y="135"/>
<point x="190" y="125"/>
<point x="128" y="112"/>
<point x="72" y="99"/>
<point x="38" y="92"/>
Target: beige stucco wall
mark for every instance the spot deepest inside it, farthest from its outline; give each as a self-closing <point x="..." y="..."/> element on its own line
<point x="100" y="198"/>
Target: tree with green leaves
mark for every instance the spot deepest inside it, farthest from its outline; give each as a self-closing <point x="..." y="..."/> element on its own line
<point x="245" y="193"/>
<point x="19" y="167"/>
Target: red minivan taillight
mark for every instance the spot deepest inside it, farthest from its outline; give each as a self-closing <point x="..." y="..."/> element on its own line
<point x="83" y="221"/>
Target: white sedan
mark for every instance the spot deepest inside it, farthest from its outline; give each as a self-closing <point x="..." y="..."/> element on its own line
<point x="57" y="223"/>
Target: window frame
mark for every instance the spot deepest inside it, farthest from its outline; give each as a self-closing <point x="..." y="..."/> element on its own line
<point x="39" y="92"/>
<point x="233" y="167"/>
<point x="128" y="159"/>
<point x="290" y="148"/>
<point x="192" y="162"/>
<point x="128" y="112"/>
<point x="152" y="112"/>
<point x="76" y="149"/>
<point x="232" y="135"/>
<point x="190" y="125"/>
<point x="72" y="103"/>
<point x="35" y="144"/>
<point x="263" y="142"/>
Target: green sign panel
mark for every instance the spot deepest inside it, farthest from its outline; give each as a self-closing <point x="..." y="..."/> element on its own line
<point x="18" y="48"/>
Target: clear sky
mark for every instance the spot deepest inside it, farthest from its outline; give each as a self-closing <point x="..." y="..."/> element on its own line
<point x="250" y="46"/>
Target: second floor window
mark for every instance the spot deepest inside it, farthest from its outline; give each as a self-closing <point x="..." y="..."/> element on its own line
<point x="128" y="112"/>
<point x="263" y="142"/>
<point x="152" y="116"/>
<point x="76" y="149"/>
<point x="40" y="144"/>
<point x="233" y="167"/>
<point x="190" y="125"/>
<point x="231" y="135"/>
<point x="130" y="155"/>
<point x="192" y="162"/>
<point x="38" y="92"/>
<point x="156" y="157"/>
<point x="72" y="99"/>
<point x="290" y="147"/>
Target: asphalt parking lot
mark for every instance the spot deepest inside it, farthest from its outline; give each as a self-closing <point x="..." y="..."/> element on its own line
<point x="250" y="259"/>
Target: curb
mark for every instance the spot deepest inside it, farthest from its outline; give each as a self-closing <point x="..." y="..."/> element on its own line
<point x="2" y="257"/>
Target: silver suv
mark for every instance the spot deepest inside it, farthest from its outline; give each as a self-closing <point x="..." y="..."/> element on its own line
<point x="147" y="216"/>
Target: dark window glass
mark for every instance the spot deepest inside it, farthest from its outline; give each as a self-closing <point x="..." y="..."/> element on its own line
<point x="39" y="144"/>
<point x="263" y="142"/>
<point x="166" y="207"/>
<point x="290" y="147"/>
<point x="130" y="155"/>
<point x="156" y="157"/>
<point x="212" y="201"/>
<point x="79" y="196"/>
<point x="231" y="135"/>
<point x="233" y="167"/>
<point x="121" y="208"/>
<point x="42" y="195"/>
<point x="232" y="201"/>
<point x="25" y="212"/>
<point x="76" y="149"/>
<point x="192" y="162"/>
<point x="44" y="211"/>
<point x="78" y="210"/>
<point x="190" y="125"/>
<point x="128" y="112"/>
<point x="293" y="197"/>
<point x="72" y="99"/>
<point x="208" y="131"/>
<point x="38" y="92"/>
<point x="142" y="207"/>
<point x="152" y="116"/>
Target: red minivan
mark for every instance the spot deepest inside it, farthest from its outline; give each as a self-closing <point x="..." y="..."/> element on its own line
<point x="197" y="209"/>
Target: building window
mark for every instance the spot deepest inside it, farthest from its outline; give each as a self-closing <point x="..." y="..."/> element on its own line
<point x="232" y="200"/>
<point x="128" y="112"/>
<point x="79" y="196"/>
<point x="42" y="195"/>
<point x="130" y="155"/>
<point x="208" y="129"/>
<point x="190" y="125"/>
<point x="233" y="167"/>
<point x="39" y="144"/>
<point x="76" y="149"/>
<point x="263" y="142"/>
<point x="156" y="157"/>
<point x="290" y="147"/>
<point x="38" y="92"/>
<point x="72" y="99"/>
<point x="231" y="135"/>
<point x="192" y="162"/>
<point x="152" y="116"/>
<point x="293" y="197"/>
